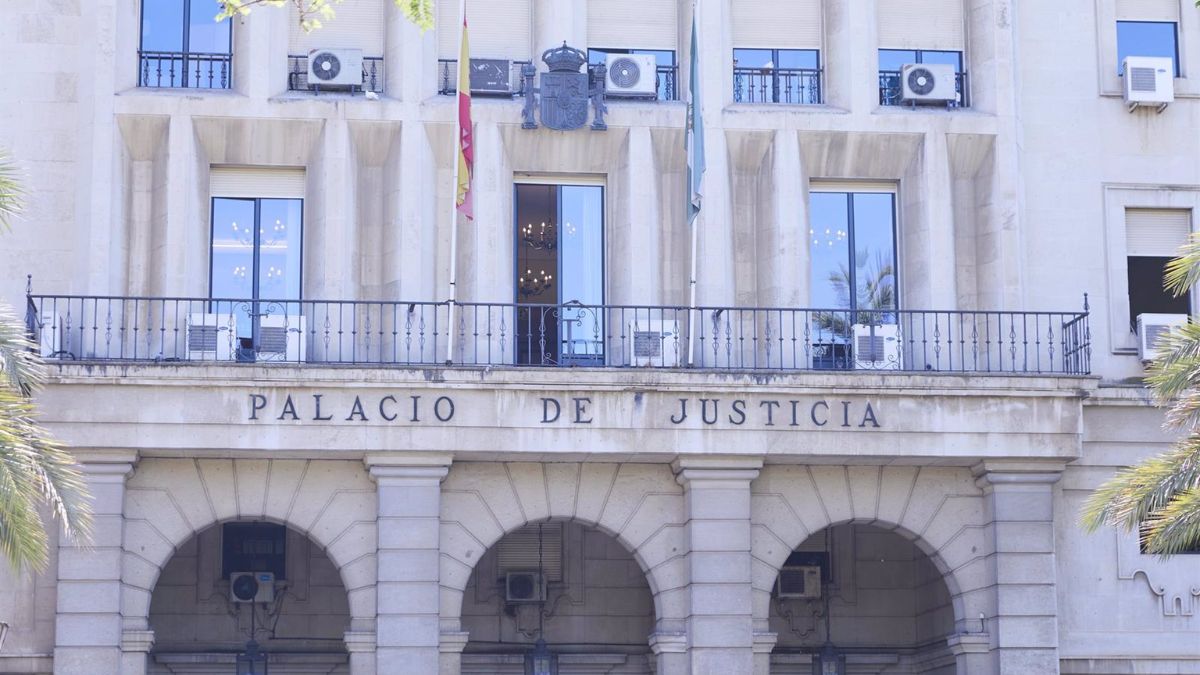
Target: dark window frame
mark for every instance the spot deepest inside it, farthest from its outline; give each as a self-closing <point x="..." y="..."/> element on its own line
<point x="775" y="52"/>
<point x="1175" y="45"/>
<point x="185" y="48"/>
<point x="960" y="73"/>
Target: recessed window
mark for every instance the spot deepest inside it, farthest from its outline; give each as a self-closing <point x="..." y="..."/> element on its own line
<point x="1152" y="239"/>
<point x="253" y="547"/>
<point x="1147" y="38"/>
<point x="182" y="45"/>
<point x="777" y="76"/>
<point x="891" y="61"/>
<point x="664" y="60"/>
<point x="559" y="275"/>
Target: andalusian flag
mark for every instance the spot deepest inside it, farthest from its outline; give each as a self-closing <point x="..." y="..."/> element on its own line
<point x="466" y="147"/>
<point x="694" y="139"/>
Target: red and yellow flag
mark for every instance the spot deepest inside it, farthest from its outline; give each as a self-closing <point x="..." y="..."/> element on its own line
<point x="466" y="146"/>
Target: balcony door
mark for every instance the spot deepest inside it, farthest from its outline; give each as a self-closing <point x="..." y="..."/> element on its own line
<point x="558" y="280"/>
<point x="182" y="45"/>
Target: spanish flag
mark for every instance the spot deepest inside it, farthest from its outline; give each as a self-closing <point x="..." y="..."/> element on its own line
<point x="466" y="148"/>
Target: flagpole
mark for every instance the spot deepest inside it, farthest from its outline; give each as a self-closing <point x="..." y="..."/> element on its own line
<point x="455" y="136"/>
<point x="695" y="43"/>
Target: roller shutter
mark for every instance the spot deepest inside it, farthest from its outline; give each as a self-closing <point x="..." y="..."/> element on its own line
<point x="260" y="182"/>
<point x="1156" y="232"/>
<point x="500" y="29"/>
<point x="1148" y="10"/>
<point x="771" y="24"/>
<point x="633" y="24"/>
<point x="921" y="24"/>
<point x="359" y="24"/>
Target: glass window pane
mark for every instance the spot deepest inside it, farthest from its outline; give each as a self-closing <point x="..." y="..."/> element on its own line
<point x="947" y="58"/>
<point x="829" y="250"/>
<point x="753" y="58"/>
<point x="162" y="25"/>
<point x="207" y="35"/>
<point x="280" y="237"/>
<point x="874" y="253"/>
<point x="798" y="58"/>
<point x="582" y="237"/>
<point x="1147" y="38"/>
<point x="232" y="272"/>
<point x="894" y="59"/>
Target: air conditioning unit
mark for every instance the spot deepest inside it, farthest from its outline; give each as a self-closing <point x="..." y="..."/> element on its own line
<point x="50" y="335"/>
<point x="927" y="82"/>
<point x="281" y="338"/>
<point x="335" y="68"/>
<point x="211" y="337"/>
<point x="631" y="75"/>
<point x="491" y="76"/>
<point x="654" y="343"/>
<point x="799" y="582"/>
<point x="1148" y="80"/>
<point x="876" y="347"/>
<point x="1150" y="327"/>
<point x="524" y="587"/>
<point x="252" y="587"/>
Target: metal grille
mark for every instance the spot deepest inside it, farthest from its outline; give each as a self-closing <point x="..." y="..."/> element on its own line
<point x="869" y="348"/>
<point x="202" y="338"/>
<point x="647" y="344"/>
<point x="273" y="339"/>
<point x="518" y="551"/>
<point x="1142" y="79"/>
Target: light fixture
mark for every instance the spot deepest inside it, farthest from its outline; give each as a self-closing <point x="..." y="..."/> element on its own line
<point x="541" y="661"/>
<point x="540" y="238"/>
<point x="828" y="661"/>
<point x="253" y="661"/>
<point x="530" y="284"/>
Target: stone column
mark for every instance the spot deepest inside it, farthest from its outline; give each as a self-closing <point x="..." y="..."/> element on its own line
<point x="720" y="623"/>
<point x="556" y="21"/>
<point x="407" y="594"/>
<point x="1019" y="511"/>
<point x="670" y="653"/>
<point x="87" y="628"/>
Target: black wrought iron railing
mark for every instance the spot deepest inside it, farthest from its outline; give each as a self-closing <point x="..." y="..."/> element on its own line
<point x="777" y="85"/>
<point x="891" y="93"/>
<point x="392" y="333"/>
<point x="489" y="77"/>
<point x="667" y="88"/>
<point x="372" y="74"/>
<point x="190" y="70"/>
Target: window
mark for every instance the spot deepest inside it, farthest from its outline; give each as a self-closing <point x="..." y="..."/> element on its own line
<point x="1152" y="238"/>
<point x="559" y="275"/>
<point x="253" y="547"/>
<point x="777" y="75"/>
<point x="664" y="60"/>
<point x="1147" y="38"/>
<point x="891" y="61"/>
<point x="256" y="249"/>
<point x="357" y="25"/>
<point x="501" y="40"/>
<point x="852" y="269"/>
<point x="182" y="45"/>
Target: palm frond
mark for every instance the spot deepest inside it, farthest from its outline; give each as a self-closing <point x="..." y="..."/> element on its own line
<point x="12" y="194"/>
<point x="20" y="366"/>
<point x="1177" y="368"/>
<point x="1183" y="271"/>
<point x="1176" y="528"/>
<point x="1130" y="498"/>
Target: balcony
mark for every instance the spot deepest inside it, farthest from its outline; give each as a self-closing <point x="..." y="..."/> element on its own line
<point x="406" y="334"/>
<point x="372" y="67"/>
<point x="777" y="85"/>
<point x="489" y="77"/>
<point x="890" y="91"/>
<point x="185" y="70"/>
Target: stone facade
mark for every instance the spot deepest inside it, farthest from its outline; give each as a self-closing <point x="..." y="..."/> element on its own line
<point x="940" y="506"/>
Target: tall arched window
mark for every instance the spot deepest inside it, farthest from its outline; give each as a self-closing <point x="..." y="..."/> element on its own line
<point x="183" y="45"/>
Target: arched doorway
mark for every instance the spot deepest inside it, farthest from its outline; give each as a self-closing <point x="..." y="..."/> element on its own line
<point x="572" y="585"/>
<point x="298" y="621"/>
<point x="864" y="598"/>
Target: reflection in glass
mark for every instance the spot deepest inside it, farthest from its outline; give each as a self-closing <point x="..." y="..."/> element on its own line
<point x="184" y="26"/>
<point x="1147" y="38"/>
<point x="559" y="276"/>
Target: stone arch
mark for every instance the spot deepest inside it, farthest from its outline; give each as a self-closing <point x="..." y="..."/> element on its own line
<point x="639" y="505"/>
<point x="167" y="501"/>
<point x="939" y="509"/>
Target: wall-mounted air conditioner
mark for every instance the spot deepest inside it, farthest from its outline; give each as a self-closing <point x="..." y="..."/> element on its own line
<point x="491" y="76"/>
<point x="335" y="68"/>
<point x="252" y="587"/>
<point x="799" y="582"/>
<point x="631" y="75"/>
<point x="655" y="343"/>
<point x="1150" y="327"/>
<point x="876" y="347"/>
<point x="281" y="338"/>
<point x="927" y="83"/>
<point x="211" y="337"/>
<point x="524" y="587"/>
<point x="1148" y="80"/>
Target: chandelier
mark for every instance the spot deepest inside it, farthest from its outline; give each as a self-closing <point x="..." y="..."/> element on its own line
<point x="539" y="238"/>
<point x="530" y="284"/>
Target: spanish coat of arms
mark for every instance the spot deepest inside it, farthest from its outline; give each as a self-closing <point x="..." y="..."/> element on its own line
<point x="564" y="92"/>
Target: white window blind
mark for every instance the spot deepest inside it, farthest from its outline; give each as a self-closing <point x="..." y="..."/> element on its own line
<point x="771" y="24"/>
<point x="518" y="550"/>
<point x="633" y="24"/>
<point x="1148" y="10"/>
<point x="256" y="182"/>
<point x="816" y="185"/>
<point x="1156" y="232"/>
<point x="357" y="25"/>
<point x="921" y="24"/>
<point x="499" y="29"/>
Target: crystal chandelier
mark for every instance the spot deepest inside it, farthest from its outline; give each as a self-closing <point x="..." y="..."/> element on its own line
<point x="530" y="284"/>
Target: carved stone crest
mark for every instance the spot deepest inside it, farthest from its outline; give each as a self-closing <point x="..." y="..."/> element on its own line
<point x="564" y="92"/>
